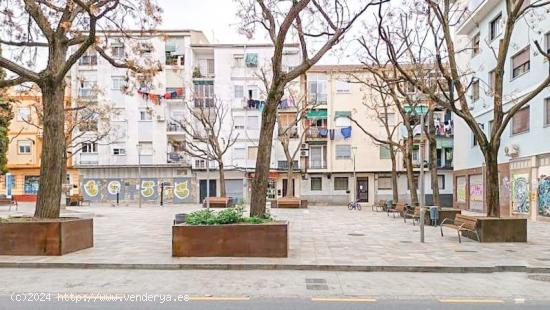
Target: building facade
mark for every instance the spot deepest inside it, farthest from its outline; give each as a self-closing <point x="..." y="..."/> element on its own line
<point x="524" y="157"/>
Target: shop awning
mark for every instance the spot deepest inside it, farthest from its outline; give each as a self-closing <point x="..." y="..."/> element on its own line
<point x="317" y="114"/>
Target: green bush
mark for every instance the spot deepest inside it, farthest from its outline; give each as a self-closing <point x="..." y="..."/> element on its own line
<point x="226" y="216"/>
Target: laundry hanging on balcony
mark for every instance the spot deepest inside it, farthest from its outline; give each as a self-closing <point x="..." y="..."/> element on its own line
<point x="251" y="60"/>
<point x="346" y="132"/>
<point x="155" y="98"/>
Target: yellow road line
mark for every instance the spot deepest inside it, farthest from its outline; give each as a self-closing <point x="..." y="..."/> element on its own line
<point x="328" y="299"/>
<point x="214" y="298"/>
<point x="471" y="301"/>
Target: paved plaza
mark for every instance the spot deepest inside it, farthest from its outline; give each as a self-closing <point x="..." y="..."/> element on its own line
<point x="318" y="236"/>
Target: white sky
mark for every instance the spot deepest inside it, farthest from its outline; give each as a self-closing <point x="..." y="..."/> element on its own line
<point x="218" y="20"/>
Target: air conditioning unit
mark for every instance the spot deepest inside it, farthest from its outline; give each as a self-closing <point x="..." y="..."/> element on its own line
<point x="304" y="153"/>
<point x="304" y="146"/>
<point x="160" y="118"/>
<point x="511" y="150"/>
<point x="305" y="177"/>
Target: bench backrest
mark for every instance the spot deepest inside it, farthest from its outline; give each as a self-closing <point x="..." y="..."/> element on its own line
<point x="400" y="207"/>
<point x="467" y="222"/>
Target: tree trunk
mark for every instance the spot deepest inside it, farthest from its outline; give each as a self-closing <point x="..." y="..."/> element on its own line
<point x="433" y="159"/>
<point x="263" y="159"/>
<point x="289" y="176"/>
<point x="53" y="151"/>
<point x="410" y="170"/>
<point x="222" y="179"/>
<point x="492" y="183"/>
<point x="395" y="193"/>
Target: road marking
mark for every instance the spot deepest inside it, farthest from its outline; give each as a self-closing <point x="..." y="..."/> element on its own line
<point x="322" y="299"/>
<point x="471" y="301"/>
<point x="214" y="298"/>
<point x="519" y="300"/>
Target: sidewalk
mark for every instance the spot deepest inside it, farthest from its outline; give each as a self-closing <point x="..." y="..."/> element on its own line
<point x="320" y="238"/>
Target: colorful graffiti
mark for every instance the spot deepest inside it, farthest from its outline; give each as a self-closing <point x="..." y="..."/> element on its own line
<point x="128" y="189"/>
<point x="520" y="193"/>
<point x="544" y="196"/>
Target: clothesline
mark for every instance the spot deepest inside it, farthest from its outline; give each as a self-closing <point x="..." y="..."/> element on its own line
<point x="157" y="97"/>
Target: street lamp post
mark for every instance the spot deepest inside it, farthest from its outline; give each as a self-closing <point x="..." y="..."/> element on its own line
<point x="354" y="174"/>
<point x="422" y="190"/>
<point x="139" y="174"/>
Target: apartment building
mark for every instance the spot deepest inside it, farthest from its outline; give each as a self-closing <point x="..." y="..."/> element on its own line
<point x="231" y="74"/>
<point x="140" y="133"/>
<point x="25" y="135"/>
<point x="342" y="162"/>
<point x="524" y="157"/>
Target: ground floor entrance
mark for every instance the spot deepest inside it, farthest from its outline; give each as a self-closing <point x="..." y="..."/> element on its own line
<point x="362" y="189"/>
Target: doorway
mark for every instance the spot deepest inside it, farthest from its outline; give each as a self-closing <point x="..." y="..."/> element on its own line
<point x="285" y="182"/>
<point x="362" y="189"/>
<point x="202" y="189"/>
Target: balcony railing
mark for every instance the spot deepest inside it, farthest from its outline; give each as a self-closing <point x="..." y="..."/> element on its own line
<point x="317" y="132"/>
<point x="316" y="98"/>
<point x="317" y="164"/>
<point x="283" y="164"/>
<point x="176" y="158"/>
<point x="203" y="102"/>
<point x="89" y="159"/>
<point x="174" y="127"/>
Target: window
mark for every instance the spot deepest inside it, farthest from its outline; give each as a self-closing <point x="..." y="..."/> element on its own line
<point x="520" y="121"/>
<point x="476" y="44"/>
<point x="252" y="152"/>
<point x="343" y="151"/>
<point x="31" y="184"/>
<point x="384" y="183"/>
<point x="283" y="164"/>
<point x="117" y="50"/>
<point x="89" y="147"/>
<point x="492" y="80"/>
<point x="385" y="152"/>
<point x="239" y="91"/>
<point x="495" y="27"/>
<point x="388" y="118"/>
<point x="318" y="156"/>
<point x="87" y="89"/>
<point x="175" y="92"/>
<point x="252" y="122"/>
<point x="340" y="183"/>
<point x="316" y="184"/>
<point x="489" y="127"/>
<point x="203" y="94"/>
<point x="119" y="151"/>
<point x="88" y="59"/>
<point x="317" y="89"/>
<point x="441" y="181"/>
<point x="239" y="153"/>
<point x="24" y="114"/>
<point x="343" y="87"/>
<point x="238" y="60"/>
<point x="342" y="119"/>
<point x="547" y="39"/>
<point x="210" y="66"/>
<point x="118" y="82"/>
<point x="238" y="122"/>
<point x="547" y="112"/>
<point x="145" y="116"/>
<point x="24" y="146"/>
<point x="474" y="140"/>
<point x="520" y="63"/>
<point x="475" y="90"/>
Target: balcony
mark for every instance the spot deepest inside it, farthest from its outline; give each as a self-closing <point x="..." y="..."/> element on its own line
<point x="200" y="103"/>
<point x="317" y="98"/>
<point x="317" y="164"/>
<point x="174" y="128"/>
<point x="317" y="132"/>
<point x="88" y="159"/>
<point x="292" y="132"/>
<point x="176" y="158"/>
<point x="283" y="165"/>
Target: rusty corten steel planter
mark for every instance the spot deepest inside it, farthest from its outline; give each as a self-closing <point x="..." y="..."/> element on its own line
<point x="504" y="229"/>
<point x="231" y="240"/>
<point x="46" y="237"/>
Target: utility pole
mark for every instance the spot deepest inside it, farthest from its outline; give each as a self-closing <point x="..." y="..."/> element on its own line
<point x="139" y="174"/>
<point x="422" y="192"/>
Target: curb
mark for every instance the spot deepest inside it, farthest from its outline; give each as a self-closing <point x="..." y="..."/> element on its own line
<point x="288" y="267"/>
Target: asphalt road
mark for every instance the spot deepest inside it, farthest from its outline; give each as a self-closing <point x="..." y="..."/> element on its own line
<point x="239" y="303"/>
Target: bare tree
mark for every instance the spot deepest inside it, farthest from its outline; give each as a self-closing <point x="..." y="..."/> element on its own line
<point x="323" y="21"/>
<point x="381" y="108"/>
<point x="211" y="130"/>
<point x="64" y="30"/>
<point x="423" y="36"/>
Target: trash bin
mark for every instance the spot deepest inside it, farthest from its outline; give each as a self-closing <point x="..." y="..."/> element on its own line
<point x="389" y="204"/>
<point x="434" y="215"/>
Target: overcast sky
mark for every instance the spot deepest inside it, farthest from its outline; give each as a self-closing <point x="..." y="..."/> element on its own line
<point x="217" y="19"/>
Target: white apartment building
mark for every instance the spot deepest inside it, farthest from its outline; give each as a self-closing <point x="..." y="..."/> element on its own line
<point x="233" y="75"/>
<point x="524" y="157"/>
<point x="138" y="139"/>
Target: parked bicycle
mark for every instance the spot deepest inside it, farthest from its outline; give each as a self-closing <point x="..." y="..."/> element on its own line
<point x="354" y="205"/>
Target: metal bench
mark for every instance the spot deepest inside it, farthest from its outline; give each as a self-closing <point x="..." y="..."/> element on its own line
<point x="461" y="223"/>
<point x="9" y="202"/>
<point x="379" y="206"/>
